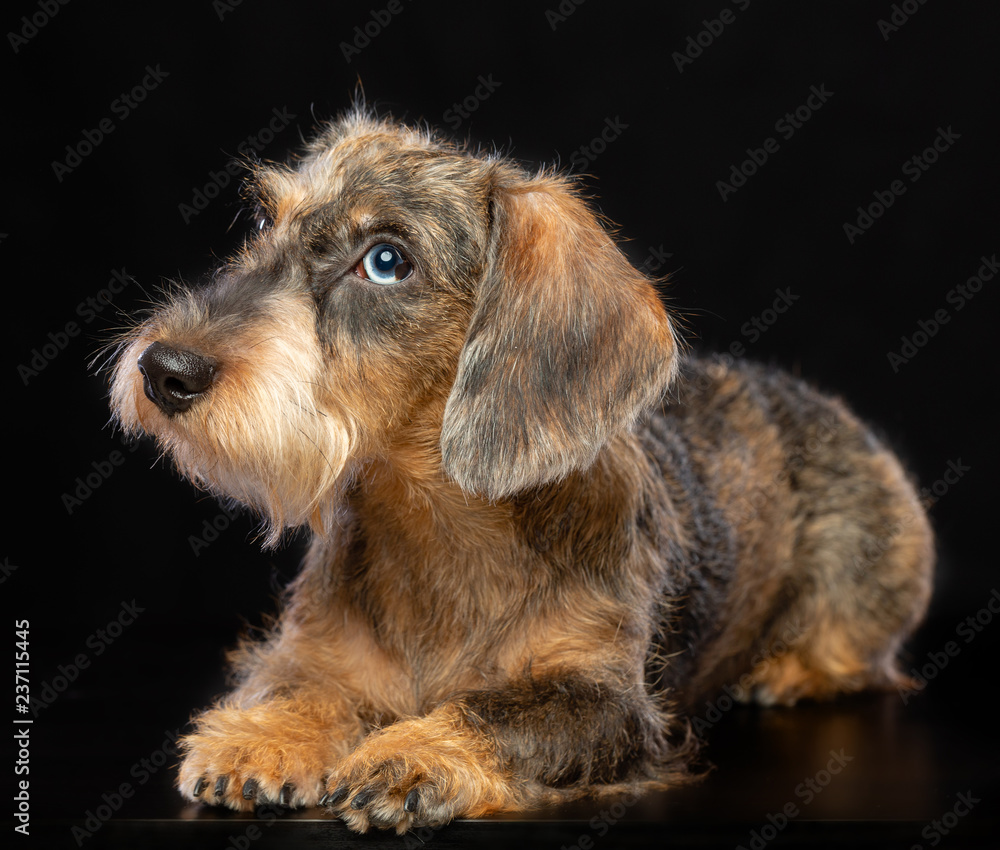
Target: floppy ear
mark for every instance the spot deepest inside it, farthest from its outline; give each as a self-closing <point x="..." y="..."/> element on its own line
<point x="568" y="344"/>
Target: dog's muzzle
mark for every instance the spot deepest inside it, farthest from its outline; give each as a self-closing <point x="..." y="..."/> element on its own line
<point x="173" y="379"/>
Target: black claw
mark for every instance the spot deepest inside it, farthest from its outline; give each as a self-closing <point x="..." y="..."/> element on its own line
<point x="199" y="786"/>
<point x="249" y="789"/>
<point x="412" y="801"/>
<point x="285" y="795"/>
<point x="362" y="799"/>
<point x="335" y="797"/>
<point x="221" y="784"/>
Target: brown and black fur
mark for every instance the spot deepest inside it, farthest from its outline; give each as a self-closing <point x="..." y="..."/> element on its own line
<point x="540" y="533"/>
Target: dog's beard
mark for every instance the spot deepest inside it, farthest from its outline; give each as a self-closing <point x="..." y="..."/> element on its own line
<point x="269" y="434"/>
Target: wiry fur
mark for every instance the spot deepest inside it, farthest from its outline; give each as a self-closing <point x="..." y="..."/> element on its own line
<point x="260" y="438"/>
<point x="526" y="564"/>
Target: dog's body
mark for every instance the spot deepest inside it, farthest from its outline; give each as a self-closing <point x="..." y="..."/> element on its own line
<point x="526" y="562"/>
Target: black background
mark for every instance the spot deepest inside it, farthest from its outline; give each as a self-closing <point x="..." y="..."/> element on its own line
<point x="558" y="77"/>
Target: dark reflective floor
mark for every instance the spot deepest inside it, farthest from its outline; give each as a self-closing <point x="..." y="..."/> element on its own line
<point x="866" y="771"/>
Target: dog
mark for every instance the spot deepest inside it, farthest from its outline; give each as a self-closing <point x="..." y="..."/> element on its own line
<point x="541" y="531"/>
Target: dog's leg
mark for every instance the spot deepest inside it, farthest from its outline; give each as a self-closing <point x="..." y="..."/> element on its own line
<point x="293" y="717"/>
<point x="534" y="740"/>
<point x="279" y="751"/>
<point x="837" y="553"/>
<point x="863" y="569"/>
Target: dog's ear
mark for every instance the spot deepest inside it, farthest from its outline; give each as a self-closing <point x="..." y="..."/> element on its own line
<point x="568" y="344"/>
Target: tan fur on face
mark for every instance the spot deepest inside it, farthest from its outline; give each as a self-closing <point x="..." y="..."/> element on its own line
<point x="272" y="434"/>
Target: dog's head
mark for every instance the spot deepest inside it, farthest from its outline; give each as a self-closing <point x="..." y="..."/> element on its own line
<point x="401" y="296"/>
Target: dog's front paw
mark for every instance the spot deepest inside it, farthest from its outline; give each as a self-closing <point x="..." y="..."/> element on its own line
<point x="277" y="752"/>
<point x="422" y="772"/>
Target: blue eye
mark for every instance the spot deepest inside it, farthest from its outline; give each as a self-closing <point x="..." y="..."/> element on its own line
<point x="384" y="264"/>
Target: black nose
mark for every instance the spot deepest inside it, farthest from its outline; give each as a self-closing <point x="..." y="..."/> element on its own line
<point x="174" y="379"/>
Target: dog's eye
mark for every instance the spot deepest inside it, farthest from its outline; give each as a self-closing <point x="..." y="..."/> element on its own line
<point x="384" y="264"/>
